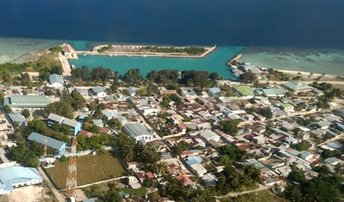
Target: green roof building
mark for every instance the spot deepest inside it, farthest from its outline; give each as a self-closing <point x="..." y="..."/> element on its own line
<point x="244" y="90"/>
<point x="26" y="101"/>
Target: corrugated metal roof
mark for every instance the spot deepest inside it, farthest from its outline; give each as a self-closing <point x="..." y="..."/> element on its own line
<point x="98" y="89"/>
<point x="70" y="122"/>
<point x="55" y="78"/>
<point x="28" y="99"/>
<point x="55" y="118"/>
<point x="17" y="117"/>
<point x="51" y="142"/>
<point x="12" y="175"/>
<point x="135" y="130"/>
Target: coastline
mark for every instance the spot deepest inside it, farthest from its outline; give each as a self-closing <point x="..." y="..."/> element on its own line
<point x="139" y="51"/>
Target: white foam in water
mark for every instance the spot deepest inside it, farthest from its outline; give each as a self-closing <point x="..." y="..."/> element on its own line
<point x="13" y="48"/>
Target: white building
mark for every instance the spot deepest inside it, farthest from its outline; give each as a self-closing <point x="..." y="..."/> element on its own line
<point x="210" y="135"/>
<point x="13" y="176"/>
<point x="99" y="91"/>
<point x="56" y="81"/>
<point x="138" y="132"/>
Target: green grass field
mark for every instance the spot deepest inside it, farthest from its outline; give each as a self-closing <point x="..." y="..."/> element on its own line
<point x="90" y="169"/>
<point x="244" y="90"/>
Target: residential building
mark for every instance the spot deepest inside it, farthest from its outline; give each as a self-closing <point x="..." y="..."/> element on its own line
<point x="274" y="92"/>
<point x="26" y="101"/>
<point x="138" y="132"/>
<point x="56" y="81"/>
<point x="59" y="146"/>
<point x="297" y="86"/>
<point x="210" y="135"/>
<point x="83" y="92"/>
<point x="214" y="92"/>
<point x="99" y="91"/>
<point x="18" y="118"/>
<point x="73" y="124"/>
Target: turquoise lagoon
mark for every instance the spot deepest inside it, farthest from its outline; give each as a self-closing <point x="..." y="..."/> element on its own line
<point x="214" y="62"/>
<point x="311" y="60"/>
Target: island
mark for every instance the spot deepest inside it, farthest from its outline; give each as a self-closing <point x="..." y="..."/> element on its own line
<point x="149" y="51"/>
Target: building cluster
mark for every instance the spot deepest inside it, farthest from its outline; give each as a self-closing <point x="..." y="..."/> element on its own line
<point x="279" y="126"/>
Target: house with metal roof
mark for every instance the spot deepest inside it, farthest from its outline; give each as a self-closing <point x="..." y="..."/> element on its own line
<point x="14" y="176"/>
<point x="18" y="118"/>
<point x="26" y="101"/>
<point x="57" y="119"/>
<point x="59" y="146"/>
<point x="99" y="91"/>
<point x="274" y="92"/>
<point x="297" y="86"/>
<point x="209" y="135"/>
<point x="138" y="132"/>
<point x="83" y="92"/>
<point x="214" y="92"/>
<point x="56" y="81"/>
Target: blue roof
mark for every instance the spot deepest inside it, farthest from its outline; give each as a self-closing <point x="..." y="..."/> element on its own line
<point x="214" y="90"/>
<point x="16" y="117"/>
<point x="51" y="142"/>
<point x="193" y="160"/>
<point x="98" y="89"/>
<point x="11" y="175"/>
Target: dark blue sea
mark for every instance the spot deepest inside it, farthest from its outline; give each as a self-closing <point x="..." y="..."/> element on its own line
<point x="268" y="23"/>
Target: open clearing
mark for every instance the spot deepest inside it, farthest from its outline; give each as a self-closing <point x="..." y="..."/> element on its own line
<point x="28" y="194"/>
<point x="90" y="169"/>
<point x="261" y="196"/>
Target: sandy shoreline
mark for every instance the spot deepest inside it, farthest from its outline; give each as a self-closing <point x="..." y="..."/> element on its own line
<point x="138" y="51"/>
<point x="311" y="75"/>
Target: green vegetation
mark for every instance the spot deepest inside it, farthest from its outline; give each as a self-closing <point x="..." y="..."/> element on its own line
<point x="84" y="75"/>
<point x="248" y="77"/>
<point x="230" y="126"/>
<point x="56" y="49"/>
<point x="176" y="190"/>
<point x="230" y="154"/>
<point x="66" y="105"/>
<point x="23" y="155"/>
<point x="167" y="99"/>
<point x="261" y="196"/>
<point x="95" y="142"/>
<point x="104" y="48"/>
<point x="61" y="108"/>
<point x="323" y="188"/>
<point x="187" y="50"/>
<point x="138" y="192"/>
<point x="301" y="146"/>
<point x="26" y="113"/>
<point x="90" y="169"/>
<point x="129" y="150"/>
<point x="276" y="75"/>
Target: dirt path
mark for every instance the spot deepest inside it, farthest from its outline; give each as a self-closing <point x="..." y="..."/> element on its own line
<point x="235" y="194"/>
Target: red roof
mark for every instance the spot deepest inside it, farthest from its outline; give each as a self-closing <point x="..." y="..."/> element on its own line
<point x="150" y="175"/>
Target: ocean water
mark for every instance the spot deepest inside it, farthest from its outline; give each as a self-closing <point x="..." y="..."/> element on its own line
<point x="274" y="25"/>
<point x="310" y="60"/>
<point x="12" y="49"/>
<point x="251" y="23"/>
<point x="214" y="62"/>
